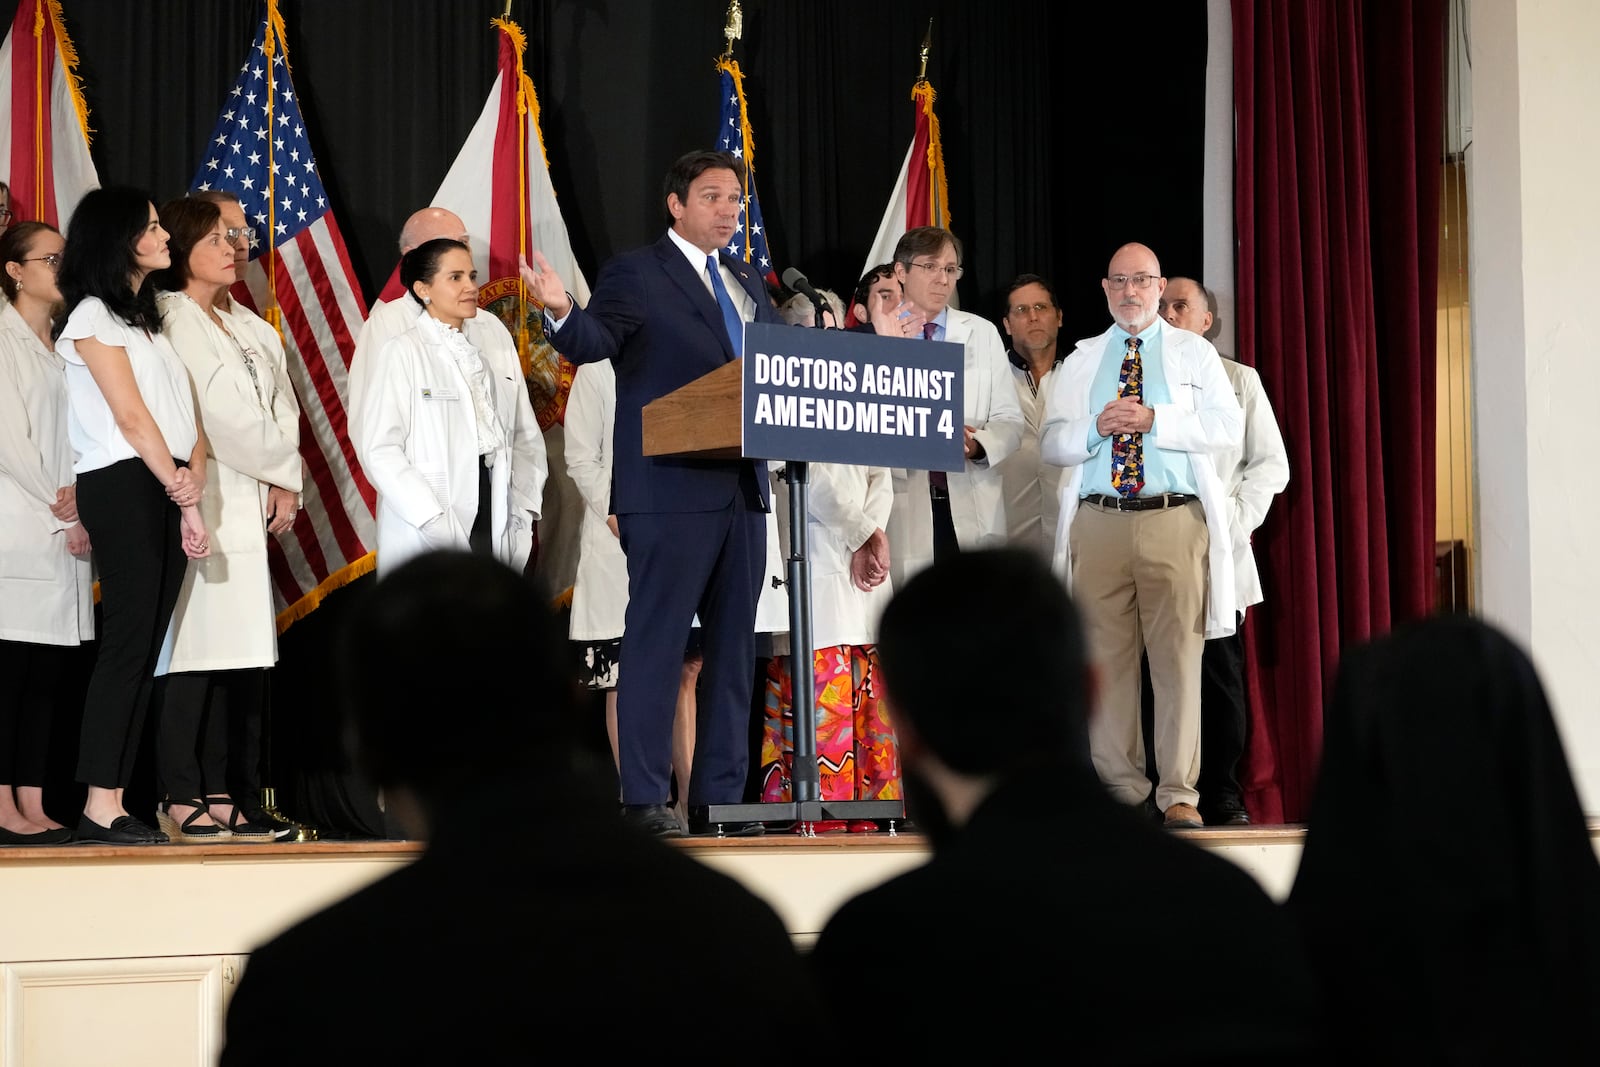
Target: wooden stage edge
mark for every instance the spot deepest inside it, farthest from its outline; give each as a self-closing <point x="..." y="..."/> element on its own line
<point x="221" y="899"/>
<point x="161" y="984"/>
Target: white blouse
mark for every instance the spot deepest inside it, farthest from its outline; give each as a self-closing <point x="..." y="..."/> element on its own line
<point x="162" y="380"/>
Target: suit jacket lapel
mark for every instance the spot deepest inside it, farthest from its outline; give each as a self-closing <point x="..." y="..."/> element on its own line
<point x="684" y="277"/>
<point x="749" y="279"/>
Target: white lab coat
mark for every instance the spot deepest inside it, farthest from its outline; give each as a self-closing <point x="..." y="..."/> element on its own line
<point x="46" y="593"/>
<point x="1032" y="486"/>
<point x="386" y="320"/>
<point x="977" y="503"/>
<point x="1252" y="474"/>
<point x="600" y="592"/>
<point x="419" y="444"/>
<point x="224" y="618"/>
<point x="1203" y="418"/>
<point x="846" y="504"/>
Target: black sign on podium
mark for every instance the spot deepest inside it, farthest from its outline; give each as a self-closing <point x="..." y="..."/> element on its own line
<point x="835" y="396"/>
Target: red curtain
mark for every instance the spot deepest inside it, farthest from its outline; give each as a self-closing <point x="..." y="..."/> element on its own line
<point x="1339" y="109"/>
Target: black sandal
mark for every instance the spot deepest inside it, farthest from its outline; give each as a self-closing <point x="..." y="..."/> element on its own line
<point x="237" y="823"/>
<point x="186" y="830"/>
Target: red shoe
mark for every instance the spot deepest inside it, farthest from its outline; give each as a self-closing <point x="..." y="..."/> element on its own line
<point x="863" y="826"/>
<point x="823" y="826"/>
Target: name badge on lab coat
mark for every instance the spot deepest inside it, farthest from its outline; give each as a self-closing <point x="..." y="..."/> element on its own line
<point x="440" y="394"/>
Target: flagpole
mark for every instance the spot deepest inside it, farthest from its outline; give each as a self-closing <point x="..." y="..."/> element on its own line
<point x="272" y="312"/>
<point x="41" y="92"/>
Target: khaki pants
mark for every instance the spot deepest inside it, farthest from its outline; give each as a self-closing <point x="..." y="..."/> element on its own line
<point x="1140" y="579"/>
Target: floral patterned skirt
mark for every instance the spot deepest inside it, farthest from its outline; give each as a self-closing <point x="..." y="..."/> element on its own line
<point x="856" y="750"/>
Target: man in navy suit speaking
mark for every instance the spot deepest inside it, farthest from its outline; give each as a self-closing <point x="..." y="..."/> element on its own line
<point x="693" y="530"/>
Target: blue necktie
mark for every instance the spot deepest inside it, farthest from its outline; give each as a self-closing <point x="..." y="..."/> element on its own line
<point x="730" y="313"/>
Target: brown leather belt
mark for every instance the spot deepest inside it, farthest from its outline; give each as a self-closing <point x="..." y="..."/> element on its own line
<point x="1141" y="503"/>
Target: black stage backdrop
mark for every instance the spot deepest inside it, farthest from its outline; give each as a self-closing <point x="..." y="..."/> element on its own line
<point x="1067" y="130"/>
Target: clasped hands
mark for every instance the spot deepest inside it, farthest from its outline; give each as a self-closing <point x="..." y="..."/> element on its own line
<point x="1125" y="415"/>
<point x="185" y="488"/>
<point x="896" y="320"/>
<point x="869" y="564"/>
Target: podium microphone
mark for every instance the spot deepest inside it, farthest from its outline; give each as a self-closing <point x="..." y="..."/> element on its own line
<point x="798" y="282"/>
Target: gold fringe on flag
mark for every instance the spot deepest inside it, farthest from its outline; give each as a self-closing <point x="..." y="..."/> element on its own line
<point x="273" y="313"/>
<point x="528" y="108"/>
<point x="939" y="186"/>
<point x="69" y="63"/>
<point x="727" y="63"/>
<point x="338" y="579"/>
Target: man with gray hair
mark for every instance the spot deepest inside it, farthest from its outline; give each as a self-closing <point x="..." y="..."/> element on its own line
<point x="1252" y="474"/>
<point x="391" y="318"/>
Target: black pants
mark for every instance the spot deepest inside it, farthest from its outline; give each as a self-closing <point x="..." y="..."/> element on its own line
<point x="134" y="528"/>
<point x="30" y="677"/>
<point x="1224" y="722"/>
<point x="945" y="545"/>
<point x="480" y="539"/>
<point x="208" y="740"/>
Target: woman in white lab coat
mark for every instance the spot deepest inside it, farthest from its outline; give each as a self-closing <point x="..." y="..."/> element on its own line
<point x="224" y="631"/>
<point x="46" y="600"/>
<point x="449" y="438"/>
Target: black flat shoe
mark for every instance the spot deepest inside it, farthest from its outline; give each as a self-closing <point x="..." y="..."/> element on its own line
<point x="44" y="837"/>
<point x="124" y="830"/>
<point x="654" y="819"/>
<point x="701" y="826"/>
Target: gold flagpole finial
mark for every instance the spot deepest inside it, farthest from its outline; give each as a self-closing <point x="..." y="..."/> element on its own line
<point x="733" y="29"/>
<point x="506" y="14"/>
<point x="927" y="47"/>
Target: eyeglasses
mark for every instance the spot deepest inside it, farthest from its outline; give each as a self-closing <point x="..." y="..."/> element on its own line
<point x="1021" y="310"/>
<point x="233" y="233"/>
<point x="953" y="273"/>
<point x="5" y="214"/>
<point x="53" y="260"/>
<point x="1121" y="281"/>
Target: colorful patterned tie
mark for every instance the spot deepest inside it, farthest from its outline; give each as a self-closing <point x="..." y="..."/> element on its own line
<point x="1127" y="449"/>
<point x="730" y="314"/>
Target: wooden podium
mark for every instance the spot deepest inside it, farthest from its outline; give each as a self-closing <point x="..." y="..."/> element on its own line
<point x="705" y="420"/>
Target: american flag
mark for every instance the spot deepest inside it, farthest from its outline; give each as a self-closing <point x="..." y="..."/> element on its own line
<point x="733" y="135"/>
<point x="260" y="151"/>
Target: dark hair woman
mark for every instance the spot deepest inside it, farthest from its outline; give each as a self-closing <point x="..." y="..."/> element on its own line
<point x="141" y="470"/>
<point x="46" y="604"/>
<point x="224" y="632"/>
<point x="448" y="436"/>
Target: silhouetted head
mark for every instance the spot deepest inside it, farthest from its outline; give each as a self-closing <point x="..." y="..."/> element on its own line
<point x="456" y="673"/>
<point x="1447" y="864"/>
<point x="984" y="660"/>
